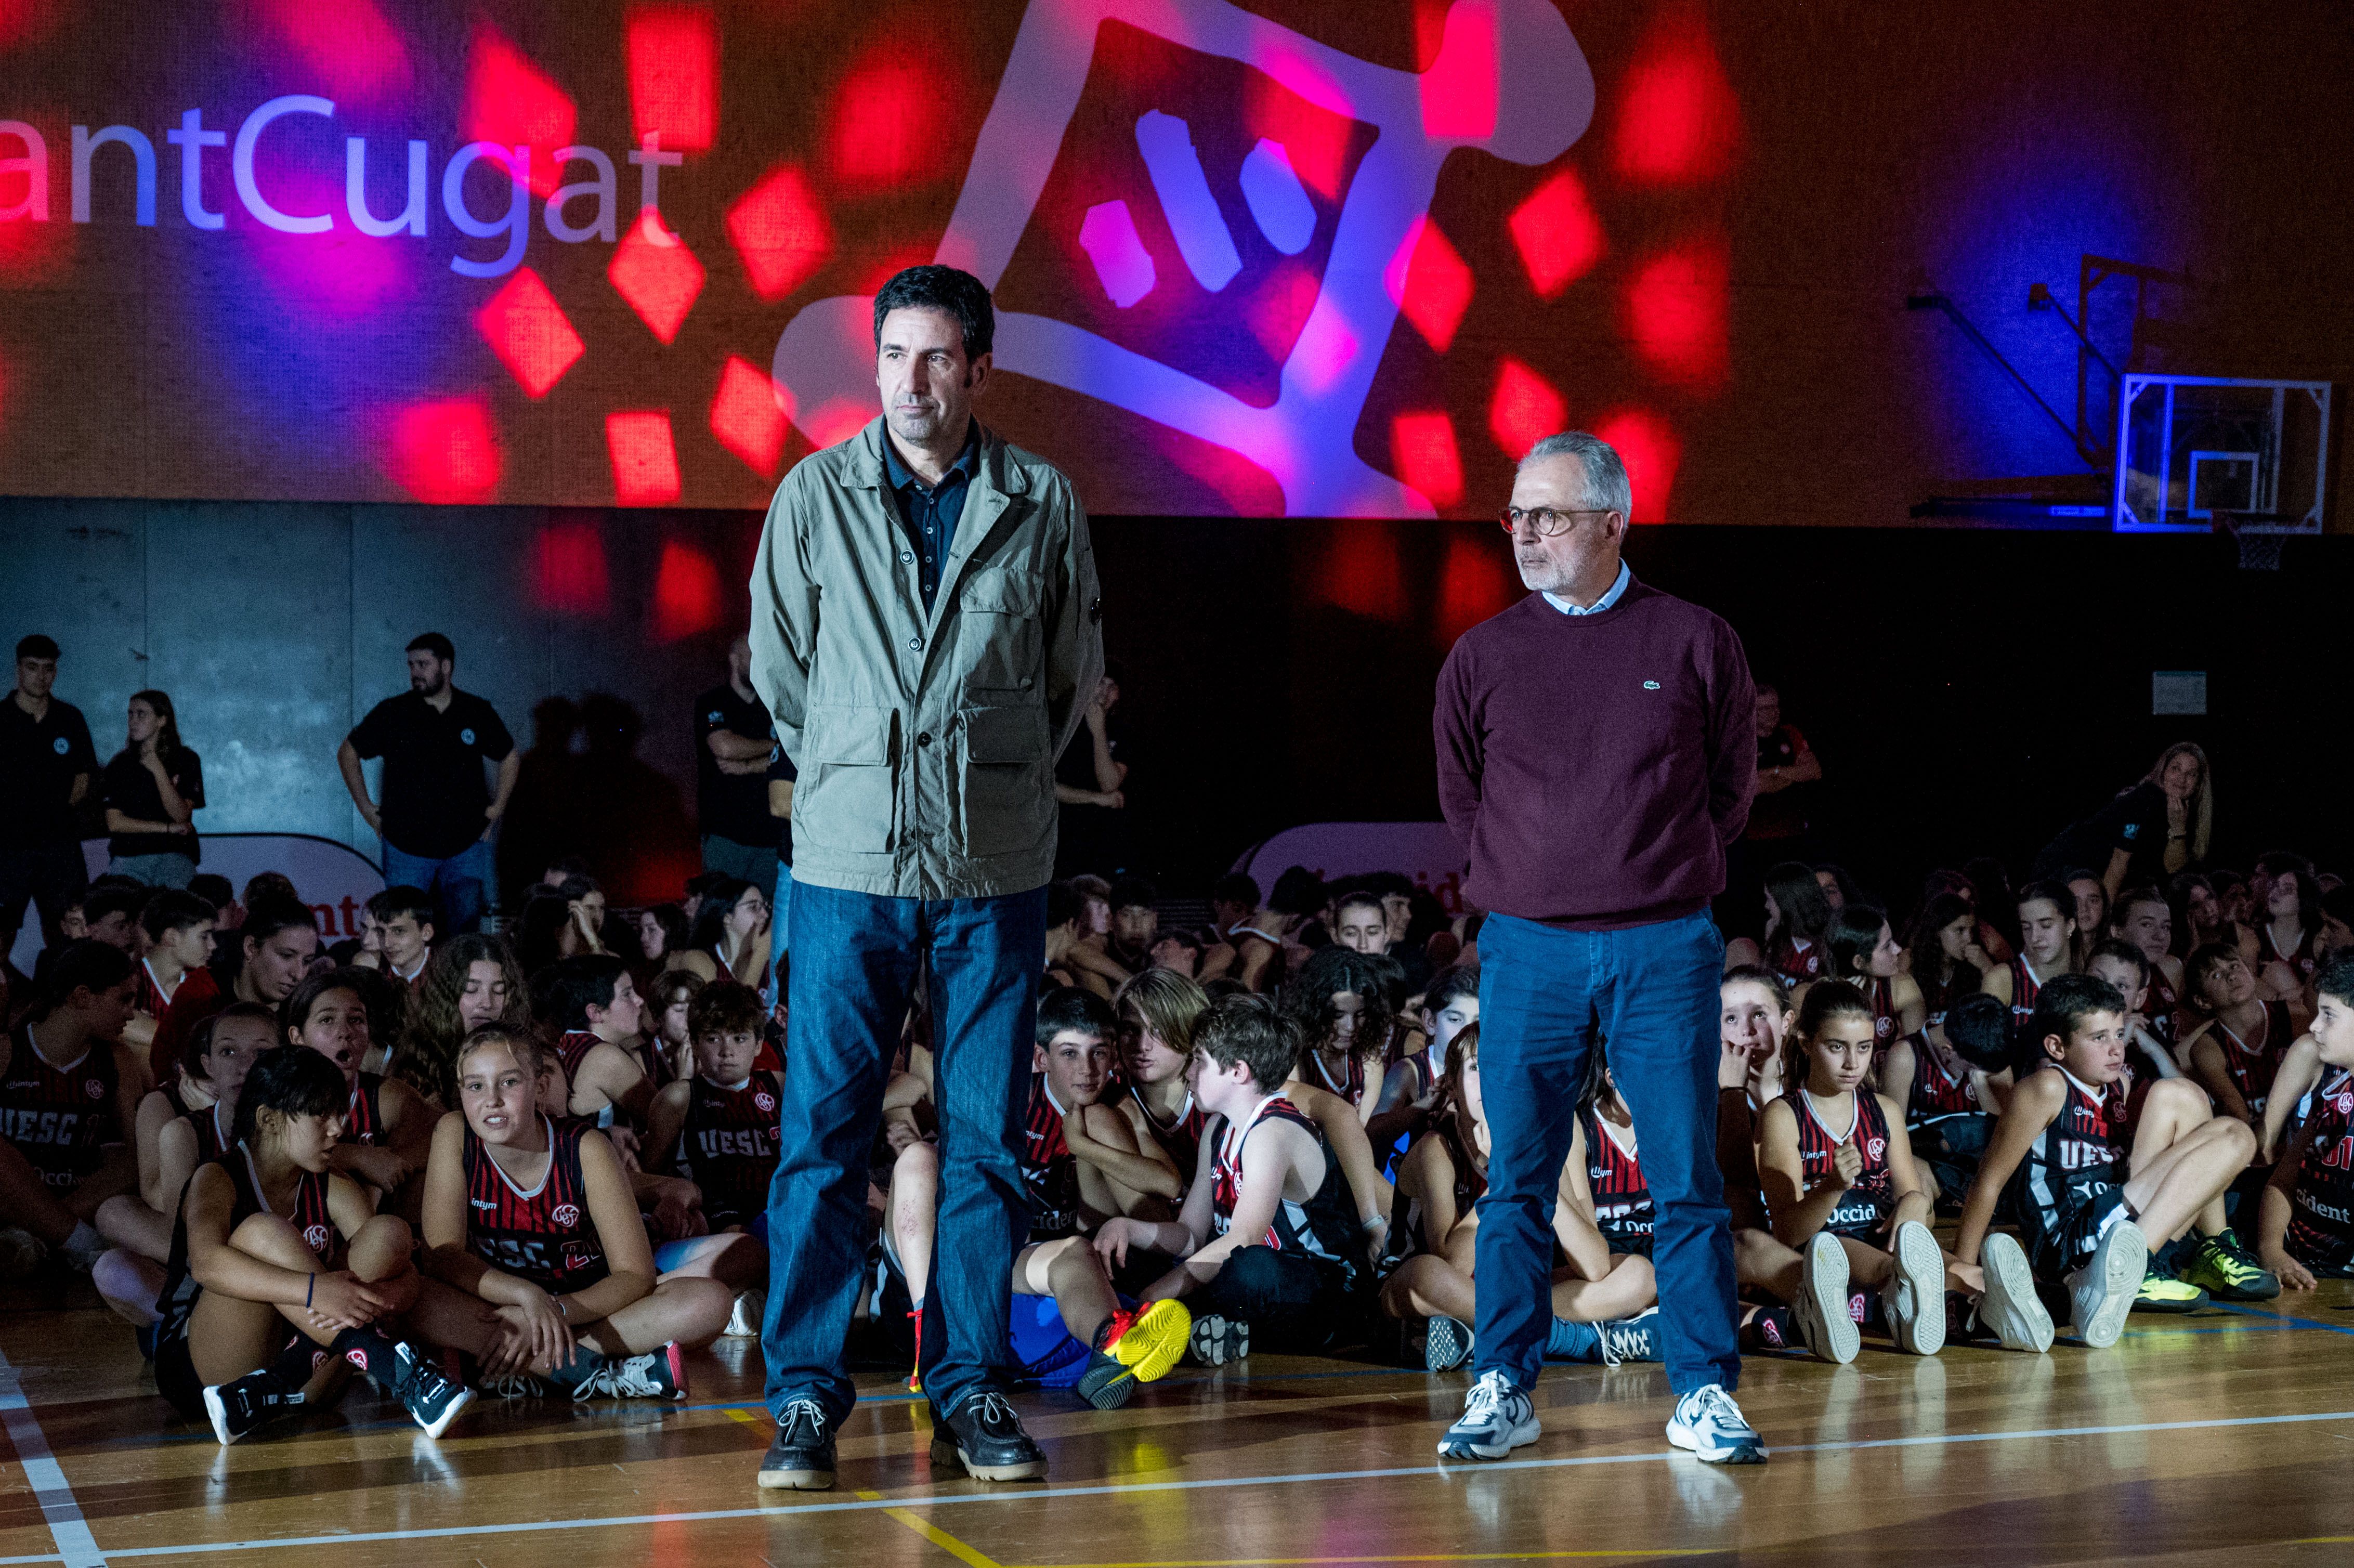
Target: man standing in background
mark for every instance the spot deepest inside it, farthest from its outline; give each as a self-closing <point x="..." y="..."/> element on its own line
<point x="47" y="765"/>
<point x="733" y="744"/>
<point x="438" y="813"/>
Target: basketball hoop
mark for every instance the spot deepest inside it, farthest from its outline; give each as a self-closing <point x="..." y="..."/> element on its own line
<point x="2260" y="548"/>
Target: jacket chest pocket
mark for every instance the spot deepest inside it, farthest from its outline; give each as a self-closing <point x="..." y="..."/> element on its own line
<point x="999" y="637"/>
<point x="848" y="791"/>
<point x="1005" y="795"/>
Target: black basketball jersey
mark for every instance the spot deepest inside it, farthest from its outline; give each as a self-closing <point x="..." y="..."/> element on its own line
<point x="729" y="1146"/>
<point x="1323" y="1229"/>
<point x="1050" y="1172"/>
<point x="1622" y="1199"/>
<point x="1936" y="1092"/>
<point x="60" y="1118"/>
<point x="1349" y="1086"/>
<point x="363" y="1120"/>
<point x="543" y="1235"/>
<point x="2079" y="1155"/>
<point x="1863" y="1207"/>
<point x="1795" y="964"/>
<point x="308" y="1214"/>
<point x="212" y="1138"/>
<point x="2253" y="1062"/>
<point x="2026" y="985"/>
<point x="1182" y="1141"/>
<point x="2321" y="1207"/>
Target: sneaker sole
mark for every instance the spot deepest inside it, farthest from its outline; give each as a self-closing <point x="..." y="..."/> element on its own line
<point x="1827" y="1296"/>
<point x="1155" y="1342"/>
<point x="220" y="1414"/>
<point x="797" y="1480"/>
<point x="2123" y="1259"/>
<point x="1215" y="1340"/>
<point x="2010" y="1306"/>
<point x="450" y="1413"/>
<point x="1922" y="1263"/>
<point x="2169" y="1304"/>
<point x="1446" y="1345"/>
<point x="1687" y="1439"/>
<point x="944" y="1451"/>
<point x="1519" y="1436"/>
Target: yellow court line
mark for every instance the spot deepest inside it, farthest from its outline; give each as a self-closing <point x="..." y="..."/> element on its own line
<point x="934" y="1534"/>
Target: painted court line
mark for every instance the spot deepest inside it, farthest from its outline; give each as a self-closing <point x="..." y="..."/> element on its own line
<point x="76" y="1546"/>
<point x="883" y="1505"/>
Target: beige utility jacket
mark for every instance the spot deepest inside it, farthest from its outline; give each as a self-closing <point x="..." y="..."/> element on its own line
<point x="925" y="745"/>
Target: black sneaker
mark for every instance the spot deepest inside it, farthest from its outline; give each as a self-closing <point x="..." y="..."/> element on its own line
<point x="433" y="1399"/>
<point x="801" y="1456"/>
<point x="985" y="1435"/>
<point x="658" y="1375"/>
<point x="242" y="1407"/>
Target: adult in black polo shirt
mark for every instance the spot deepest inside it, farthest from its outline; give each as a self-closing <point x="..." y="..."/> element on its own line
<point x="437" y="815"/>
<point x="733" y="744"/>
<point x="47" y="766"/>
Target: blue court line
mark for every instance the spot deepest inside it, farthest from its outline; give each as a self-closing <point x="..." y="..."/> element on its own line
<point x="2282" y="1318"/>
<point x="1433" y="1470"/>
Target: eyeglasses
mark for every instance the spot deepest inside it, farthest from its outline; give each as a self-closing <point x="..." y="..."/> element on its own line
<point x="1546" y="520"/>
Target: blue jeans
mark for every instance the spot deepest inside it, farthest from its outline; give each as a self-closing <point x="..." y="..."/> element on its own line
<point x="854" y="973"/>
<point x="1652" y="992"/>
<point x="165" y="870"/>
<point x="461" y="883"/>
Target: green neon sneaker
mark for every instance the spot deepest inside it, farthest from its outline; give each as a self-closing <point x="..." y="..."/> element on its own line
<point x="2226" y="1271"/>
<point x="2164" y="1293"/>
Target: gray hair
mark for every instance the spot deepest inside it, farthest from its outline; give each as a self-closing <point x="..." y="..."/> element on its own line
<point x="1607" y="489"/>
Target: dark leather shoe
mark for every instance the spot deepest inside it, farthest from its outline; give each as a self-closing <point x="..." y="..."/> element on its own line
<point x="801" y="1457"/>
<point x="984" y="1435"/>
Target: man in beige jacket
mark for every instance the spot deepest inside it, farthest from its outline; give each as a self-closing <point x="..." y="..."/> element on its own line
<point x="925" y="631"/>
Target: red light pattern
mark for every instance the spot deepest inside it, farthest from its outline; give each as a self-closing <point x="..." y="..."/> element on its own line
<point x="1524" y="411"/>
<point x="748" y="414"/>
<point x="888" y="119"/>
<point x="1676" y="314"/>
<point x="1459" y="89"/>
<point x="350" y="45"/>
<point x="780" y="232"/>
<point x="529" y="332"/>
<point x="511" y="102"/>
<point x="1429" y="284"/>
<point x="1278" y="309"/>
<point x="645" y="461"/>
<point x="657" y="274"/>
<point x="687" y="595"/>
<point x="445" y="452"/>
<point x="1678" y="119"/>
<point x="22" y="21"/>
<point x="1422" y="446"/>
<point x="1316" y="142"/>
<point x="1558" y="237"/>
<point x="1648" y="449"/>
<point x="674" y="55"/>
<point x="570" y="568"/>
<point x="1361" y="573"/>
<point x="1474" y="583"/>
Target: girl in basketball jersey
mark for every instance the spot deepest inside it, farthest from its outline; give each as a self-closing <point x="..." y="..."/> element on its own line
<point x="1943" y="956"/>
<point x="1410" y="1091"/>
<point x="2146" y="920"/>
<point x="1754" y="1013"/>
<point x="2238" y="1045"/>
<point x="214" y="1062"/>
<point x="2047" y="947"/>
<point x="69" y="1094"/>
<point x="1156" y="1010"/>
<point x="1832" y="1159"/>
<point x="538" y="1220"/>
<point x="2305" y="1229"/>
<point x="1864" y="953"/>
<point x="1342" y="1009"/>
<point x="387" y="1127"/>
<point x="281" y="1274"/>
<point x="2287" y="927"/>
<point x="1797" y="916"/>
<point x="472" y="980"/>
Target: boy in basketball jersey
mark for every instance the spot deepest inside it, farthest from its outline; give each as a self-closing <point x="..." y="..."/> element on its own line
<point x="593" y="1000"/>
<point x="1268" y="1240"/>
<point x="2058" y="1165"/>
<point x="2306" y="1231"/>
<point x="717" y="1129"/>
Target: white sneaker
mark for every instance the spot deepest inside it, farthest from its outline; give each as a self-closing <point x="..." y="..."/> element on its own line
<point x="1496" y="1419"/>
<point x="1915" y="1295"/>
<point x="1820" y="1309"/>
<point x="2010" y="1309"/>
<point x="2103" y="1290"/>
<point x="1710" y="1426"/>
<point x="744" y="1316"/>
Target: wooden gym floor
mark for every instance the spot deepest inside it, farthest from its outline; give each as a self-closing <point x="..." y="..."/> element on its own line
<point x="2209" y="1438"/>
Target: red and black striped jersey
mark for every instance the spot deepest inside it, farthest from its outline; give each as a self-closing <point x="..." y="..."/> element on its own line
<point x="1321" y="1229"/>
<point x="212" y="1134"/>
<point x="1622" y="1198"/>
<point x="2321" y="1207"/>
<point x="728" y="1146"/>
<point x="1864" y="1206"/>
<point x="545" y="1234"/>
<point x="60" y="1118"/>
<point x="1050" y="1172"/>
<point x="1349" y="1086"/>
<point x="2160" y="1005"/>
<point x="2082" y="1152"/>
<point x="2253" y="1062"/>
<point x="1425" y="1075"/>
<point x="571" y="1050"/>
<point x="363" y="1120"/>
<point x="1793" y="962"/>
<point x="153" y="999"/>
<point x="1940" y="1090"/>
<point x="2026" y="985"/>
<point x="1182" y="1141"/>
<point x="2299" y="958"/>
<point x="1883" y="992"/>
<point x="308" y="1213"/>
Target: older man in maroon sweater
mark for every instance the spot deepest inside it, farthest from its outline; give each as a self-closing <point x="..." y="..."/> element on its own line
<point x="1595" y="757"/>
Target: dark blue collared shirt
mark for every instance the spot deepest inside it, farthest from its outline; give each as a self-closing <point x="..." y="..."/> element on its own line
<point x="930" y="514"/>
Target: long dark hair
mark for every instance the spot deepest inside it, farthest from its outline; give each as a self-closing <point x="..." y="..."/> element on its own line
<point x="719" y="901"/>
<point x="1307" y="1000"/>
<point x="168" y="747"/>
<point x="1941" y="980"/>
<point x="1854" y="934"/>
<point x="1805" y="913"/>
<point x="293" y="1083"/>
<point x="428" y="1060"/>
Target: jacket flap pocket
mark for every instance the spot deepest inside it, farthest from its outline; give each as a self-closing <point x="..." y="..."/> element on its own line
<point x="1004" y="735"/>
<point x="860" y="737"/>
<point x="1000" y="592"/>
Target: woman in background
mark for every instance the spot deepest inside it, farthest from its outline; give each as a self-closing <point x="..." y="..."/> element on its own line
<point x="154" y="787"/>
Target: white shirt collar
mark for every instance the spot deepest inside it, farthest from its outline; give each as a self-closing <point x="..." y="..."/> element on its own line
<point x="1617" y="588"/>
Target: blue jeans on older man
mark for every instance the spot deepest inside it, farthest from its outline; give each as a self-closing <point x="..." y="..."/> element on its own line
<point x="460" y="883"/>
<point x="1651" y="992"/>
<point x="855" y="957"/>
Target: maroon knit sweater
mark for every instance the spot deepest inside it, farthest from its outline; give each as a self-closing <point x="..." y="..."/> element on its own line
<point x="1596" y="766"/>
